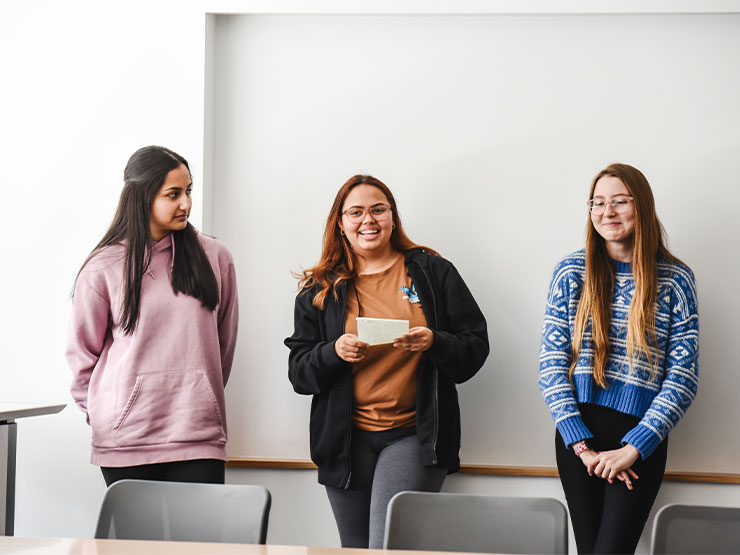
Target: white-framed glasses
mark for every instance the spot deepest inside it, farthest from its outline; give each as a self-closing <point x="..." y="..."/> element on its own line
<point x="620" y="204"/>
<point x="379" y="213"/>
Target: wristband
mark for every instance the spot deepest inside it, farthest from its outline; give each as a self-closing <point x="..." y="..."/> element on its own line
<point x="580" y="447"/>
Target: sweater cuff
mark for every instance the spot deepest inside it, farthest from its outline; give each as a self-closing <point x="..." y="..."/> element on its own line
<point x="643" y="439"/>
<point x="573" y="430"/>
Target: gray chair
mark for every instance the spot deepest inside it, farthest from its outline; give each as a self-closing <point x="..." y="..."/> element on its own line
<point x="696" y="529"/>
<point x="476" y="523"/>
<point x="180" y="511"/>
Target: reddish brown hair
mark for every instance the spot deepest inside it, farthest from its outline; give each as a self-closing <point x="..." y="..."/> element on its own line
<point x="595" y="304"/>
<point x="338" y="262"/>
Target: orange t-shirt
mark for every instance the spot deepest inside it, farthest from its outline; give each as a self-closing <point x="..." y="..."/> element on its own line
<point x="384" y="382"/>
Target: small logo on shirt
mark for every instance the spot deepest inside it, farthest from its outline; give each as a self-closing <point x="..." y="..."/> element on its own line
<point x="410" y="294"/>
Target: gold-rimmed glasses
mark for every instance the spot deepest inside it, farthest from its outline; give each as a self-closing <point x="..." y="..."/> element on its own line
<point x="620" y="204"/>
<point x="356" y="214"/>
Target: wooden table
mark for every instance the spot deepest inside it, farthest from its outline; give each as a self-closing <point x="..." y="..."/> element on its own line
<point x="9" y="412"/>
<point x="59" y="546"/>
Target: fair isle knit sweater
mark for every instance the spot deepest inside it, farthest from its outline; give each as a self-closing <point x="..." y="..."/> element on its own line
<point x="658" y="402"/>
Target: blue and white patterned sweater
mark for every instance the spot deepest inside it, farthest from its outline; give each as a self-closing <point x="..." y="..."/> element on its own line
<point x="661" y="402"/>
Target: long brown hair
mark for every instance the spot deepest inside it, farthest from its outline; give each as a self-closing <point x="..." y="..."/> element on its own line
<point x="338" y="262"/>
<point x="596" y="299"/>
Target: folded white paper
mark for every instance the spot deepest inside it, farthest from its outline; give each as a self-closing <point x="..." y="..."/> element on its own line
<point x="379" y="331"/>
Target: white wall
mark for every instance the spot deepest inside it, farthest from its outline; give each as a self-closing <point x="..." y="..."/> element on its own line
<point x="83" y="85"/>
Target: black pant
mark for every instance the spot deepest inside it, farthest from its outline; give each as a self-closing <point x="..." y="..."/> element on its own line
<point x="608" y="518"/>
<point x="210" y="471"/>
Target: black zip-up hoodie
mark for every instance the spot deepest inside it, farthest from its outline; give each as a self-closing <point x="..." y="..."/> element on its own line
<point x="459" y="350"/>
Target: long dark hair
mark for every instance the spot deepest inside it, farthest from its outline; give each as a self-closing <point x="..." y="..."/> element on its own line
<point x="338" y="262"/>
<point x="192" y="274"/>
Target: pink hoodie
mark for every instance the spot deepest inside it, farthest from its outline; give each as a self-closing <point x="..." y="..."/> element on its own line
<point x="156" y="395"/>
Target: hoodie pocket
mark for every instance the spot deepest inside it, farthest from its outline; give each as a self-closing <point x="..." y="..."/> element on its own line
<point x="169" y="407"/>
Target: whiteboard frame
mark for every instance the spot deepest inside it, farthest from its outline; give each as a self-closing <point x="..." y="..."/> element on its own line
<point x="576" y="7"/>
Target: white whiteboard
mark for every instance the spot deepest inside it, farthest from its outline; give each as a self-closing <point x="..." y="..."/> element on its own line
<point x="488" y="129"/>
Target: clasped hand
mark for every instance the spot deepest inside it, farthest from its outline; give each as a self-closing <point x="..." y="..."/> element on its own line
<point x="613" y="464"/>
<point x="349" y="347"/>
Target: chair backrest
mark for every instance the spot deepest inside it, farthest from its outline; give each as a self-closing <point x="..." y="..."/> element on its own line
<point x="476" y="523"/>
<point x="696" y="529"/>
<point x="179" y="511"/>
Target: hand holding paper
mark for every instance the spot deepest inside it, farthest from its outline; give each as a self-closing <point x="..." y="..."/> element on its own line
<point x="379" y="331"/>
<point x="349" y="348"/>
<point x="419" y="338"/>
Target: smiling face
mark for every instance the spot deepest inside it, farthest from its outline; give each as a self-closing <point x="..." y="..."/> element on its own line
<point x="617" y="228"/>
<point x="370" y="238"/>
<point x="171" y="204"/>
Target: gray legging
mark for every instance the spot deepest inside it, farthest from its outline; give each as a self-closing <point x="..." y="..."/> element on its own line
<point x="383" y="463"/>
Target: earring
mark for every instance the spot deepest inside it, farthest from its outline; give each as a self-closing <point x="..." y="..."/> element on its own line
<point x="394" y="226"/>
<point x="341" y="232"/>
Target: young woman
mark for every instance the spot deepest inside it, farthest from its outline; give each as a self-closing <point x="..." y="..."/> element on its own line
<point x="619" y="362"/>
<point x="384" y="418"/>
<point x="152" y="332"/>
